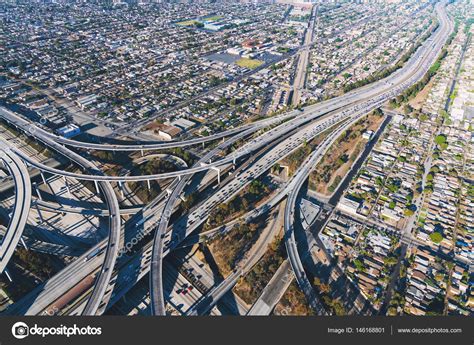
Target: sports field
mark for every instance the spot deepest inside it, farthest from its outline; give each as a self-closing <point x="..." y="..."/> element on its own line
<point x="249" y="63"/>
<point x="212" y="18"/>
<point x="187" y="22"/>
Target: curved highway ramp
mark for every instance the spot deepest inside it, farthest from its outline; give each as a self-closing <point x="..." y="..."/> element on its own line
<point x="21" y="209"/>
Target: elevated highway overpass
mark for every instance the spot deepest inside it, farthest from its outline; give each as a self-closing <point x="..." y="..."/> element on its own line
<point x="21" y="208"/>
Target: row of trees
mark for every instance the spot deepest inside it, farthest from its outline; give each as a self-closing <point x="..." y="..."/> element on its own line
<point x="413" y="90"/>
<point x="229" y="248"/>
<point x="240" y="203"/>
<point x="254" y="282"/>
<point x="389" y="70"/>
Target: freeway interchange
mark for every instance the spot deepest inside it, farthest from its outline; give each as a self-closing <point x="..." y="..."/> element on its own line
<point x="119" y="261"/>
<point x="21" y="210"/>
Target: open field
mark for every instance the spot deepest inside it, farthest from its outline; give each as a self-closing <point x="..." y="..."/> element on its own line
<point x="212" y="18"/>
<point x="336" y="162"/>
<point x="421" y="97"/>
<point x="190" y="22"/>
<point x="249" y="63"/>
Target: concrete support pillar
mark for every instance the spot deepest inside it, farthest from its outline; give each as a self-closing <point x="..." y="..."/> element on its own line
<point x="218" y="174"/>
<point x="148" y="183"/>
<point x="120" y="187"/>
<point x="96" y="187"/>
<point x="8" y="275"/>
<point x="67" y="186"/>
<point x="141" y="152"/>
<point x="23" y="243"/>
<point x="37" y="191"/>
<point x="42" y="177"/>
<point x="39" y="214"/>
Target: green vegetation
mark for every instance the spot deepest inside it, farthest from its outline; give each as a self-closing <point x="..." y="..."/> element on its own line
<point x="390" y="260"/>
<point x="212" y="18"/>
<point x="112" y="157"/>
<point x="407" y="109"/>
<point x="282" y="50"/>
<point x="185" y="155"/>
<point x="38" y="146"/>
<point x="436" y="237"/>
<point x="229" y="248"/>
<point x="38" y="263"/>
<point x="302" y="18"/>
<point x="190" y="22"/>
<point x="249" y="63"/>
<point x="156" y="166"/>
<point x="393" y="185"/>
<point x="387" y="71"/>
<point x="413" y="90"/>
<point x="328" y="173"/>
<point x="359" y="265"/>
<point x="293" y="302"/>
<point x="334" y="185"/>
<point x="241" y="203"/>
<point x="294" y="159"/>
<point x="250" y="288"/>
<point x="335" y="305"/>
<point x="423" y="117"/>
<point x="190" y="201"/>
<point x="347" y="75"/>
<point x="436" y="307"/>
<point x="440" y="139"/>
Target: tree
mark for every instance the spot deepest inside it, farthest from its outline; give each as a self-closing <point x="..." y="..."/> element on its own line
<point x="276" y="168"/>
<point x="393" y="103"/>
<point x="378" y="112"/>
<point x="359" y="265"/>
<point x="440" y="139"/>
<point x="392" y="311"/>
<point x="379" y="181"/>
<point x="390" y="260"/>
<point x="338" y="307"/>
<point x="423" y="117"/>
<point x="190" y="200"/>
<point x="316" y="281"/>
<point x="436" y="237"/>
<point x="324" y="288"/>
